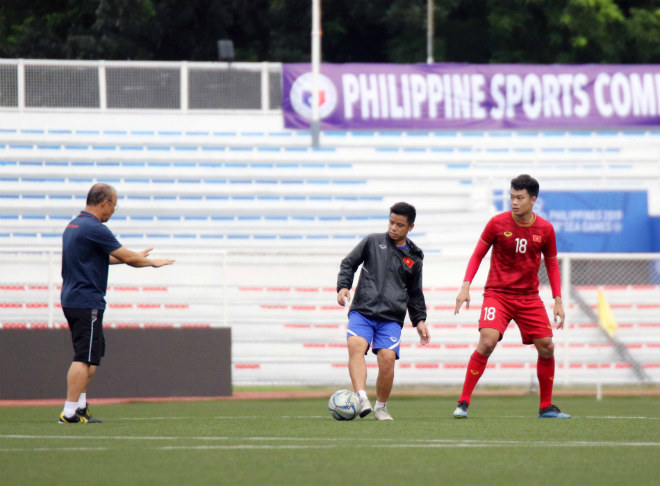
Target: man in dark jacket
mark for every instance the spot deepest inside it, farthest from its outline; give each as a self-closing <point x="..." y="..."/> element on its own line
<point x="390" y="283"/>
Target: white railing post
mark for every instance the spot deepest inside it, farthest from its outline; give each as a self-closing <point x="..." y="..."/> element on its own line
<point x="183" y="82"/>
<point x="567" y="301"/>
<point x="265" y="87"/>
<point x="103" y="95"/>
<point x="315" y="123"/>
<point x="21" y="84"/>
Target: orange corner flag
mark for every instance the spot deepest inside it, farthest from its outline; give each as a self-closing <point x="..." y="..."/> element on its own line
<point x="605" y="316"/>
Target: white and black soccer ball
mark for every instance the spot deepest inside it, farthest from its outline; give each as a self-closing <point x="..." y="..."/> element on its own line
<point x="344" y="405"/>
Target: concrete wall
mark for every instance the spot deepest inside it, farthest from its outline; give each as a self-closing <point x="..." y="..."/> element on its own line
<point x="138" y="363"/>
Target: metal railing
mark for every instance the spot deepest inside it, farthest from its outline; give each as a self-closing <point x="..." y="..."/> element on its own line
<point x="40" y="84"/>
<point x="257" y="293"/>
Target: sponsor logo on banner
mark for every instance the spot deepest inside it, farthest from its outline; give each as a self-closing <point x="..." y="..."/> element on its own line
<point x="301" y="96"/>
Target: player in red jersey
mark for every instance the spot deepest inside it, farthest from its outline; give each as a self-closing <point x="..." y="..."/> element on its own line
<point x="518" y="238"/>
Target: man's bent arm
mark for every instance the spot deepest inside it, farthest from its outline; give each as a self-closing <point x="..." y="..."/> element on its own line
<point x="134" y="259"/>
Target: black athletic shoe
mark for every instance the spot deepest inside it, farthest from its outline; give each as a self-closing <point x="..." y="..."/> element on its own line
<point x="461" y="410"/>
<point x="553" y="412"/>
<point x="76" y="419"/>
<point x="84" y="412"/>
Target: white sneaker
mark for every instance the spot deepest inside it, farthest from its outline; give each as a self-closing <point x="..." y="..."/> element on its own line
<point x="382" y="414"/>
<point x="365" y="407"/>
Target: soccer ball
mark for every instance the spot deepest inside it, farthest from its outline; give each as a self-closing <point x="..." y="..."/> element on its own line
<point x="344" y="405"/>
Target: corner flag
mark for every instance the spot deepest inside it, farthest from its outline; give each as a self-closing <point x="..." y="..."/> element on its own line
<point x="605" y="316"/>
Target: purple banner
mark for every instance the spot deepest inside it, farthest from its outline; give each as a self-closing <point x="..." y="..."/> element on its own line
<point x="472" y="96"/>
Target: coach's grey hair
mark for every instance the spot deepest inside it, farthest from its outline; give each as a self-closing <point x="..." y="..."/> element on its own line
<point x="98" y="193"/>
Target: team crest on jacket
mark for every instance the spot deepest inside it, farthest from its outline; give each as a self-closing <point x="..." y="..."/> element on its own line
<point x="536" y="238"/>
<point x="408" y="261"/>
<point x="507" y="233"/>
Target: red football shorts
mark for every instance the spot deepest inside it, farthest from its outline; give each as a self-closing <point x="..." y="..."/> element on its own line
<point x="529" y="313"/>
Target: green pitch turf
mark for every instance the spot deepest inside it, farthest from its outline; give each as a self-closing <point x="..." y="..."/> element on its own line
<point x="615" y="441"/>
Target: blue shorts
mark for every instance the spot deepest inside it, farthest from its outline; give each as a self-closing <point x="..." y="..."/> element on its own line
<point x="378" y="334"/>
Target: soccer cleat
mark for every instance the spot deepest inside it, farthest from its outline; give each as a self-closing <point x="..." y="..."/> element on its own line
<point x="365" y="407"/>
<point x="382" y="414"/>
<point x="76" y="419"/>
<point x="553" y="412"/>
<point x="85" y="412"/>
<point x="461" y="410"/>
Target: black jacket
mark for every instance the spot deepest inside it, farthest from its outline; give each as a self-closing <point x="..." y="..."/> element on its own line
<point x="390" y="281"/>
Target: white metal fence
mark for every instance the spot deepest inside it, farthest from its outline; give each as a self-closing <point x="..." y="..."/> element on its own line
<point x="39" y="84"/>
<point x="288" y="329"/>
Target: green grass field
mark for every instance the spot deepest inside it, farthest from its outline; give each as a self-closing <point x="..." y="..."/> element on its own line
<point x="615" y="441"/>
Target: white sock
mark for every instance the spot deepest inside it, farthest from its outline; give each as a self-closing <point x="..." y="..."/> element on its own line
<point x="380" y="404"/>
<point x="70" y="409"/>
<point x="362" y="394"/>
<point x="82" y="401"/>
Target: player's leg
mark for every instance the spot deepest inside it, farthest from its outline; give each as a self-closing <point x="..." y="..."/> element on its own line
<point x="534" y="324"/>
<point x="545" y="369"/>
<point x="83" y="405"/>
<point x="357" y="368"/>
<point x="488" y="339"/>
<point x="387" y="342"/>
<point x="89" y="346"/>
<point x="545" y="372"/>
<point x="493" y="321"/>
<point x="77" y="379"/>
<point x="386" y="361"/>
<point x="359" y="335"/>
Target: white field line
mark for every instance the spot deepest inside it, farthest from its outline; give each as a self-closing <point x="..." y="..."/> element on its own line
<point x="587" y="417"/>
<point x="633" y="418"/>
<point x="229" y="417"/>
<point x="245" y="446"/>
<point x="51" y="449"/>
<point x="306" y="443"/>
<point x="324" y="417"/>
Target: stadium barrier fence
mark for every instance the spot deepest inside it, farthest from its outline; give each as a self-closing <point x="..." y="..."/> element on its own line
<point x="288" y="329"/>
<point x="41" y="84"/>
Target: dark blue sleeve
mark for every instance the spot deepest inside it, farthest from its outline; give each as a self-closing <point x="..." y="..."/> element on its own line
<point x="103" y="237"/>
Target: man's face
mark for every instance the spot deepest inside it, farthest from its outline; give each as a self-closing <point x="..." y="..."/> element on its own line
<point x="521" y="202"/>
<point x="109" y="206"/>
<point x="398" y="227"/>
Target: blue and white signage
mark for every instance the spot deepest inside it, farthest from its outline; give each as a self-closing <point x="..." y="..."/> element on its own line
<point x="599" y="221"/>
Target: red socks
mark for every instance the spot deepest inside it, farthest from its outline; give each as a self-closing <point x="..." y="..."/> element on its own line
<point x="545" y="371"/>
<point x="475" y="369"/>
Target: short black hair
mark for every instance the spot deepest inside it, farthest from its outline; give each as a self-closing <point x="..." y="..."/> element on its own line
<point x="525" y="181"/>
<point x="404" y="209"/>
<point x="98" y="193"/>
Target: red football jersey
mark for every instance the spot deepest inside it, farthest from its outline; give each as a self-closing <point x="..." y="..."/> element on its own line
<point x="516" y="252"/>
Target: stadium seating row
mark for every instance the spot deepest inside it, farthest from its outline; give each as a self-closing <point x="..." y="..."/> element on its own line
<point x="287" y="327"/>
<point x="263" y="189"/>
